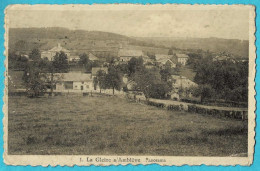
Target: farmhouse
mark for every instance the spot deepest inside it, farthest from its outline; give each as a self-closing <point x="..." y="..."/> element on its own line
<point x="165" y="61"/>
<point x="126" y="55"/>
<point x="52" y="52"/>
<point x="73" y="82"/>
<point x="182" y="58"/>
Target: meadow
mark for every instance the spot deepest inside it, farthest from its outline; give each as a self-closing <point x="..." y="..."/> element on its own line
<point x="104" y="125"/>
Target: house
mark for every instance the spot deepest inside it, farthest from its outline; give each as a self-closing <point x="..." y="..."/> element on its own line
<point x="182" y="58"/>
<point x="162" y="56"/>
<point x="73" y="82"/>
<point x="147" y="60"/>
<point x="95" y="70"/>
<point x="73" y="58"/>
<point x="164" y="61"/>
<point x="129" y="84"/>
<point x="49" y="54"/>
<point x="181" y="85"/>
<point x="182" y="82"/>
<point x="92" y="57"/>
<point x="126" y="55"/>
<point x="222" y="58"/>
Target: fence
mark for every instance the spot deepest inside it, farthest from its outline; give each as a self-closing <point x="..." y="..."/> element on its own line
<point x="235" y="113"/>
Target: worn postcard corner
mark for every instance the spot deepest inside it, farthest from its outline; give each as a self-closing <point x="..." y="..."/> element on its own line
<point x="129" y="84"/>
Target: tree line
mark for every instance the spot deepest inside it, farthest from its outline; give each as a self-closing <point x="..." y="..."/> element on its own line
<point x="226" y="80"/>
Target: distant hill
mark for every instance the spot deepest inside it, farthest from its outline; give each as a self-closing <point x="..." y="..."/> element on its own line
<point x="26" y="39"/>
<point x="233" y="46"/>
<point x="80" y="41"/>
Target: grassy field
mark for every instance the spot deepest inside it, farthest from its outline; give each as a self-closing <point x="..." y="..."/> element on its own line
<point x="114" y="126"/>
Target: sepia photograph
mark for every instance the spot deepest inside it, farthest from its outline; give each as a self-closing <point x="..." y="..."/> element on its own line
<point x="129" y="84"/>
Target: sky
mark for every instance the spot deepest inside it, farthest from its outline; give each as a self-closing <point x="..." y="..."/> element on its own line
<point x="138" y="21"/>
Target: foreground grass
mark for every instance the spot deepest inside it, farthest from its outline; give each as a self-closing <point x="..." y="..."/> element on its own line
<point x="114" y="126"/>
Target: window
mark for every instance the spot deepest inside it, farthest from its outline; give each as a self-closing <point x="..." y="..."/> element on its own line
<point x="68" y="84"/>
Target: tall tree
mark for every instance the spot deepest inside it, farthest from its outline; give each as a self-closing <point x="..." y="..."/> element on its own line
<point x="35" y="55"/>
<point x="135" y="64"/>
<point x="60" y="62"/>
<point x="83" y="59"/>
<point x="150" y="83"/>
<point x="165" y="74"/>
<point x="204" y="91"/>
<point x="101" y="80"/>
<point x="34" y="79"/>
<point x="114" y="79"/>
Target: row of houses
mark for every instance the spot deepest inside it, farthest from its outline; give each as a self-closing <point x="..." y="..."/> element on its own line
<point x="124" y="56"/>
<point x="83" y="82"/>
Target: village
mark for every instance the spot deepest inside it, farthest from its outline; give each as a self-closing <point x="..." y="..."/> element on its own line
<point x="125" y="90"/>
<point x="85" y="75"/>
<point x="77" y="80"/>
<point x="82" y="82"/>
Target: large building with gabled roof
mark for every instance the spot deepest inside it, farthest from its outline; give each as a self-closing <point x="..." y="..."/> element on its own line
<point x="49" y="54"/>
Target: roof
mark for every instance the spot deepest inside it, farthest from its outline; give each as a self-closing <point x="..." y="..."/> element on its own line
<point x="92" y="57"/>
<point x="180" y="77"/>
<point x="164" y="61"/>
<point x="59" y="48"/>
<point x="130" y="53"/>
<point x="181" y="55"/>
<point x="162" y="56"/>
<point x="96" y="69"/>
<point x="74" y="76"/>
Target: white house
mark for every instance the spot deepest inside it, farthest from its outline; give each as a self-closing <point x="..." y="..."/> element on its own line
<point x="182" y="58"/>
<point x="73" y="82"/>
<point x="49" y="54"/>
